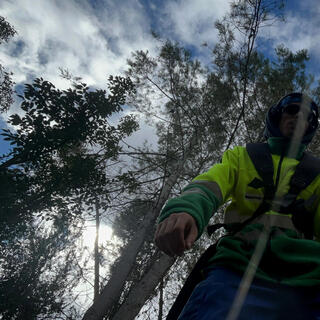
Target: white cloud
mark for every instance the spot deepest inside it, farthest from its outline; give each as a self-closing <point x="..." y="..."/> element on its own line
<point x="193" y="21"/>
<point x="91" y="42"/>
<point x="299" y="31"/>
<point x="64" y="34"/>
<point x="291" y="34"/>
<point x="146" y="133"/>
<point x="94" y="39"/>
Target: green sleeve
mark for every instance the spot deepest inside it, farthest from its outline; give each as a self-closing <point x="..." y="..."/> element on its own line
<point x="198" y="205"/>
<point x="202" y="197"/>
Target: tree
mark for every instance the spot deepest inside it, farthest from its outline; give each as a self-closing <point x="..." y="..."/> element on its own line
<point x="50" y="160"/>
<point x="38" y="275"/>
<point x="51" y="176"/>
<point x="6" y="32"/>
<point x="161" y="166"/>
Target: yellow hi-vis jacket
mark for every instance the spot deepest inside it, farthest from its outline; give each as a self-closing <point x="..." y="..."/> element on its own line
<point x="289" y="258"/>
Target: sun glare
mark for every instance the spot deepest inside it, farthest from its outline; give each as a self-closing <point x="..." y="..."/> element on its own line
<point x="89" y="235"/>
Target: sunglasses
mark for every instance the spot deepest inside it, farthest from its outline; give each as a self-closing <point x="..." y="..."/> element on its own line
<point x="295" y="108"/>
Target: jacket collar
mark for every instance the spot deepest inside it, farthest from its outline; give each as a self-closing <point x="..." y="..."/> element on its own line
<point x="280" y="146"/>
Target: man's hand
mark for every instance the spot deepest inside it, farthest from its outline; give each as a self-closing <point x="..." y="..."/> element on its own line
<point x="176" y="233"/>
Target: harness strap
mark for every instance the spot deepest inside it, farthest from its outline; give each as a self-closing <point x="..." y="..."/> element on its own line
<point x="261" y="158"/>
<point x="233" y="228"/>
<point x="306" y="171"/>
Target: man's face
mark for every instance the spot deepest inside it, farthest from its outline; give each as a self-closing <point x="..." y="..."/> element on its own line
<point x="293" y="123"/>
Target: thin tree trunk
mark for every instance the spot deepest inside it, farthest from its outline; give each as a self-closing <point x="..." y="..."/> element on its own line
<point x="96" y="254"/>
<point x="161" y="287"/>
<point x="255" y="24"/>
<point x="144" y="288"/>
<point x="112" y="291"/>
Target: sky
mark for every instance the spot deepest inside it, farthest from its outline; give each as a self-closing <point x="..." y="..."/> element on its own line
<point x="94" y="38"/>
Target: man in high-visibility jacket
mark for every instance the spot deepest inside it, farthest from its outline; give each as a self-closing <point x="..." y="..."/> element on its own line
<point x="287" y="279"/>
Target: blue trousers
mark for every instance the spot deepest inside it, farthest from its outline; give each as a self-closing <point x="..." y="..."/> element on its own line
<point x="213" y="297"/>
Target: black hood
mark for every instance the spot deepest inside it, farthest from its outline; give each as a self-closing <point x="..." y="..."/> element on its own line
<point x="274" y="115"/>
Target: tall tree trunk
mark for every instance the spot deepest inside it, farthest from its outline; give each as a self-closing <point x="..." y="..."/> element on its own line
<point x="161" y="302"/>
<point x="144" y="288"/>
<point x="112" y="291"/>
<point x="96" y="253"/>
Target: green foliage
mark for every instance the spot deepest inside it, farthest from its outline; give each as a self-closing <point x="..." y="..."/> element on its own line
<point x="51" y="176"/>
<point x="6" y="32"/>
<point x="57" y="121"/>
<point x="50" y="158"/>
<point x="193" y="123"/>
<point x="36" y="277"/>
<point x="131" y="219"/>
